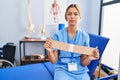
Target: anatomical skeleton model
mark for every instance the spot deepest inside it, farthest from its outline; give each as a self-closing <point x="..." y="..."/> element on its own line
<point x="55" y="10"/>
<point x="30" y="26"/>
<point x="43" y="37"/>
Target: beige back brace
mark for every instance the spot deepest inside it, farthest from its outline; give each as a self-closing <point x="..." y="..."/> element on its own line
<point x="74" y="48"/>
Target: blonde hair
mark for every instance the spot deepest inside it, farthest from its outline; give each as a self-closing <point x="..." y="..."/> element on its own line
<point x="70" y="6"/>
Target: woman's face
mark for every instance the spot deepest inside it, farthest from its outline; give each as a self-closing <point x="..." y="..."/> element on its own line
<point x="72" y="16"/>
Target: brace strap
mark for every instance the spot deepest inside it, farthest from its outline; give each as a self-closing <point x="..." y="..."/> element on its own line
<point x="74" y="48"/>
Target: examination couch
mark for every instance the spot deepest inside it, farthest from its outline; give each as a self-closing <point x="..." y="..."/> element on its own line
<point x="45" y="71"/>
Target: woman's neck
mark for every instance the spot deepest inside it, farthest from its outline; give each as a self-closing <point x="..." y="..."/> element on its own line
<point x="72" y="29"/>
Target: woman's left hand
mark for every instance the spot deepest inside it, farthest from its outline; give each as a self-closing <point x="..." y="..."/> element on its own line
<point x="95" y="55"/>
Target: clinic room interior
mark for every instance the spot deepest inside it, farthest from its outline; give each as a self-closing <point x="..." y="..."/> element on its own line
<point x="27" y="25"/>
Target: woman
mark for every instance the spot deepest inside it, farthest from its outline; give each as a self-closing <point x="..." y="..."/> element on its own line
<point x="70" y="65"/>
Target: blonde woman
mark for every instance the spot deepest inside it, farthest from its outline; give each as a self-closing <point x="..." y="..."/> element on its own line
<point x="70" y="65"/>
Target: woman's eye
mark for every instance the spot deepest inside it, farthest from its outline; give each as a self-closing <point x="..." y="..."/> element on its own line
<point x="75" y="14"/>
<point x="69" y="14"/>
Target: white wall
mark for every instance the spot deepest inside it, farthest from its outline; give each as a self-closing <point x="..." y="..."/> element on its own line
<point x="93" y="16"/>
<point x="13" y="19"/>
<point x="110" y="29"/>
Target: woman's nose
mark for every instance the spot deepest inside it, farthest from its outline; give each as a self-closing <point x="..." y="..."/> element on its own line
<point x="72" y="16"/>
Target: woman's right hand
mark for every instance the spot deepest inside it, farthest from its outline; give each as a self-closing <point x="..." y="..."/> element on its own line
<point x="48" y="45"/>
<point x="52" y="55"/>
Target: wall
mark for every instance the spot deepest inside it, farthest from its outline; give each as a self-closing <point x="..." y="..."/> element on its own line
<point x="93" y="16"/>
<point x="13" y="19"/>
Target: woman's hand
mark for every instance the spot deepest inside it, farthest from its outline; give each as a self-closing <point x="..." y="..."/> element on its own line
<point x="48" y="45"/>
<point x="95" y="55"/>
<point x="86" y="59"/>
<point x="52" y="55"/>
